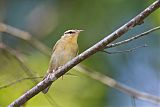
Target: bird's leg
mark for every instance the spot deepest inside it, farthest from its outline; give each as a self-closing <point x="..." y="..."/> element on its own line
<point x="60" y="68"/>
<point x="49" y="74"/>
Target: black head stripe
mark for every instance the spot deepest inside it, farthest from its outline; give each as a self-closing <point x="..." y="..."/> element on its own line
<point x="69" y="32"/>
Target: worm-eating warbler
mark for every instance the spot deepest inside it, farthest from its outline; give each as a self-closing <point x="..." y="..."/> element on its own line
<point x="64" y="50"/>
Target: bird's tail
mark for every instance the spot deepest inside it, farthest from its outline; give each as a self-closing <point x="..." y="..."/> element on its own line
<point x="46" y="90"/>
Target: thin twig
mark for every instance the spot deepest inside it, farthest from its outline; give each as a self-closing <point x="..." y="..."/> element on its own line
<point x="133" y="38"/>
<point x="19" y="80"/>
<point x="125" y="51"/>
<point x="92" y="50"/>
<point x="116" y="85"/>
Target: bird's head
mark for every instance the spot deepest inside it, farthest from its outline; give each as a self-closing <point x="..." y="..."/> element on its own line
<point x="71" y="33"/>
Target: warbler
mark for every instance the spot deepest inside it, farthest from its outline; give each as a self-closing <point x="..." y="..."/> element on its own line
<point x="65" y="49"/>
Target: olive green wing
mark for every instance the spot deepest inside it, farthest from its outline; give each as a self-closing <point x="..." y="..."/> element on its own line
<point x="54" y="47"/>
<point x="51" y="66"/>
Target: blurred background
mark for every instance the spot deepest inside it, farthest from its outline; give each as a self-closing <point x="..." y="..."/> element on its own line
<point x="46" y="20"/>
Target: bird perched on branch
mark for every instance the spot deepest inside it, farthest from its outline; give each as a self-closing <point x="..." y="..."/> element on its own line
<point x="64" y="50"/>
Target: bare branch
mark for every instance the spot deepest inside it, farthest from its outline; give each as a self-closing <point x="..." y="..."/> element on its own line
<point x="98" y="46"/>
<point x="132" y="38"/>
<point x="116" y="85"/>
<point x="25" y="36"/>
<point x="125" y="51"/>
<point x="19" y="80"/>
<point x="15" y="32"/>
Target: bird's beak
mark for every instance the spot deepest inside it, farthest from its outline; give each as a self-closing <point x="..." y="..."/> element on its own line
<point x="79" y="31"/>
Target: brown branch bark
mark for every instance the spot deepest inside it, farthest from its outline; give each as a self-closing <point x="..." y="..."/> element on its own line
<point x="98" y="46"/>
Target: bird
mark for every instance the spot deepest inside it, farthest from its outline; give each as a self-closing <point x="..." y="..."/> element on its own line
<point x="65" y="49"/>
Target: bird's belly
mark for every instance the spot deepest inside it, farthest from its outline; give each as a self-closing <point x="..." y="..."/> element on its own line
<point x="64" y="57"/>
<point x="59" y="59"/>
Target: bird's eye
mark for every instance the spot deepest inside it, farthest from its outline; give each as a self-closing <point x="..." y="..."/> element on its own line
<point x="70" y="32"/>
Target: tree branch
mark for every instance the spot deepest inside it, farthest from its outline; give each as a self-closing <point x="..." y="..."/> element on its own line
<point x="98" y="46"/>
<point x="25" y="36"/>
<point x="132" y="38"/>
<point x="125" y="51"/>
<point x="116" y="85"/>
